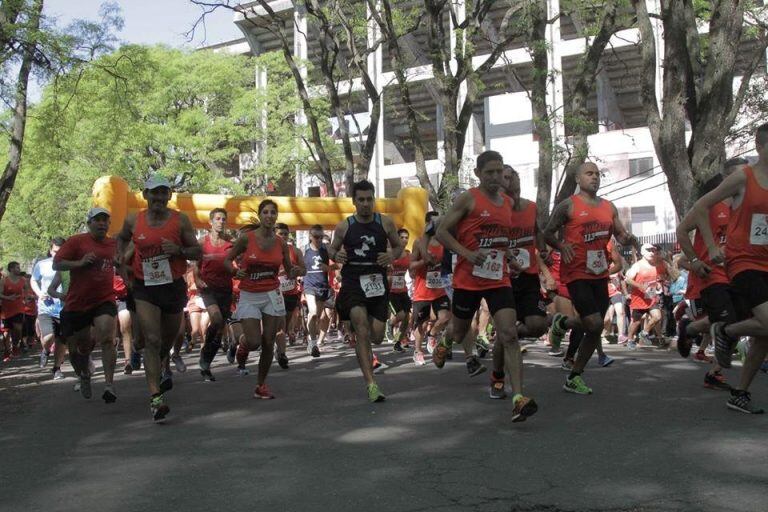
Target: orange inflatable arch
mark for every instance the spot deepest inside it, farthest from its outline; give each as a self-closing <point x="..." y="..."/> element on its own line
<point x="407" y="210"/>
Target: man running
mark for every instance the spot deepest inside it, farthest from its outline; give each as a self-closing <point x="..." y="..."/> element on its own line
<point x="163" y="241"/>
<point x="49" y="311"/>
<point x="289" y="287"/>
<point x="214" y="284"/>
<point x="646" y="278"/>
<point x="90" y="308"/>
<point x="13" y="292"/>
<point x="587" y="223"/>
<point x="477" y="228"/>
<point x="360" y="246"/>
<point x="399" y="301"/>
<point x="316" y="287"/>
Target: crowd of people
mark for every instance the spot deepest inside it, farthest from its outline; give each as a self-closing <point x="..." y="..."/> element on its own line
<point x="484" y="275"/>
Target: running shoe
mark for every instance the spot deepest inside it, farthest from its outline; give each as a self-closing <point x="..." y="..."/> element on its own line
<point x="58" y="375"/>
<point x="242" y="371"/>
<point x="231" y="352"/>
<point x="723" y="344"/>
<point x="208" y="376"/>
<point x="399" y="347"/>
<point x="431" y="344"/>
<point x="482" y="346"/>
<point x="315" y="352"/>
<point x="611" y="339"/>
<point x="497" y="388"/>
<point x="263" y="392"/>
<point x="439" y="355"/>
<point x="282" y="361"/>
<point x="166" y="381"/>
<point x="632" y="345"/>
<point x="577" y="385"/>
<point x="567" y="365"/>
<point x="158" y="408"/>
<point x="109" y="395"/>
<point x="701" y="357"/>
<point x="418" y="358"/>
<point x="179" y="363"/>
<point x="136" y="360"/>
<point x="555" y="352"/>
<point x="557" y="332"/>
<point x="684" y="343"/>
<point x="85" y="385"/>
<point x="604" y="360"/>
<point x="128" y="369"/>
<point x="44" y="358"/>
<point x="187" y="347"/>
<point x="524" y="408"/>
<point x="623" y="339"/>
<point x="375" y="394"/>
<point x="716" y="381"/>
<point x="475" y="367"/>
<point x="742" y="401"/>
<point x="378" y="366"/>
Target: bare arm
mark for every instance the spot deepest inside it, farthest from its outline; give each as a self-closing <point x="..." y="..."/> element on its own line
<point x="560" y="216"/>
<point x="336" y="250"/>
<point x="239" y="247"/>
<point x="53" y="287"/>
<point x="124" y="238"/>
<point x="445" y="231"/>
<point x="417" y="259"/>
<point x="730" y="188"/>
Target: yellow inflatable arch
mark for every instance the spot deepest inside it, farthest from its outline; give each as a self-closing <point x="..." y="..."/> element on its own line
<point x="407" y="210"/>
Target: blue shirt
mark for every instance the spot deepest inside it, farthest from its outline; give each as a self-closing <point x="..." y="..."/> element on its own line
<point x="677" y="289"/>
<point x="43" y="274"/>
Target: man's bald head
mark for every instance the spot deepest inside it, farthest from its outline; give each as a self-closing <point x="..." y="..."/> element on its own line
<point x="588" y="177"/>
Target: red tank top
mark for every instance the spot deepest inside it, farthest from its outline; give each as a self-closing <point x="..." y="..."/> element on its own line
<point x="522" y="238"/>
<point x="719" y="217"/>
<point x="397" y="275"/>
<point x="261" y="266"/>
<point x="747" y="247"/>
<point x="14" y="307"/>
<point x="589" y="230"/>
<point x="212" y="270"/>
<point x="428" y="282"/>
<point x="149" y="251"/>
<point x="486" y="229"/>
<point x="651" y="275"/>
<point x="289" y="286"/>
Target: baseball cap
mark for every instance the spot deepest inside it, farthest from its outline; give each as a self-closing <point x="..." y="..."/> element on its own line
<point x="156" y="181"/>
<point x="96" y="211"/>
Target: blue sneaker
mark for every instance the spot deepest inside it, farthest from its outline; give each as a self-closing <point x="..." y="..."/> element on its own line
<point x="632" y="345"/>
<point x="136" y="360"/>
<point x="604" y="360"/>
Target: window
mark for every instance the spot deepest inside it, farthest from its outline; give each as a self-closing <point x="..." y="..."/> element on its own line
<point x="392" y="186"/>
<point x="640" y="166"/>
<point x="641" y="214"/>
<point x="313" y="191"/>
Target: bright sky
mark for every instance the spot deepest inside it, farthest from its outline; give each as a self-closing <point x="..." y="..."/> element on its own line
<point x="154" y="21"/>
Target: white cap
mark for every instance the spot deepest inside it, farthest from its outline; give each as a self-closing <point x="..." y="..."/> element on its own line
<point x="156" y="181"/>
<point x="96" y="211"/>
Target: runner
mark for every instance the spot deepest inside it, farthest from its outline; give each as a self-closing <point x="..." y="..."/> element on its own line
<point x="124" y="321"/>
<point x="746" y="263"/>
<point x="13" y="292"/>
<point x="430" y="299"/>
<point x="90" y="309"/>
<point x="400" y="303"/>
<point x="617" y="291"/>
<point x="261" y="307"/>
<point x="316" y="287"/>
<point x="48" y="311"/>
<point x="646" y="279"/>
<point x="360" y="246"/>
<point x="477" y="228"/>
<point x="214" y="284"/>
<point x="163" y="241"/>
<point x="587" y="223"/>
<point x="289" y="287"/>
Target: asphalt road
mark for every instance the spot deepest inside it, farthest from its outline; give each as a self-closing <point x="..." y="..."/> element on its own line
<point x="651" y="438"/>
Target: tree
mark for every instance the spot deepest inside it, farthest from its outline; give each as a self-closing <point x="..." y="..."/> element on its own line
<point x="697" y="86"/>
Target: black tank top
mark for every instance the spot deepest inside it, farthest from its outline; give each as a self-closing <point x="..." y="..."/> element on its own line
<point x="316" y="277"/>
<point x="363" y="243"/>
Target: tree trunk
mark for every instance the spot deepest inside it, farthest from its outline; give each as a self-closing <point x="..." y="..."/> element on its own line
<point x="20" y="109"/>
<point x="9" y="13"/>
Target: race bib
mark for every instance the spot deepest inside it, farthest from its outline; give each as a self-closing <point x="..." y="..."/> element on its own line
<point x="398" y="282"/>
<point x="276" y="298"/>
<point x="435" y="280"/>
<point x="652" y="291"/>
<point x="597" y="263"/>
<point x="199" y="302"/>
<point x="758" y="233"/>
<point x="372" y="285"/>
<point x="157" y="271"/>
<point x="523" y="258"/>
<point x="493" y="267"/>
<point x="287" y="285"/>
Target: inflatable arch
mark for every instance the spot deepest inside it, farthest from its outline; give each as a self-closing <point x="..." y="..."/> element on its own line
<point x="407" y="210"/>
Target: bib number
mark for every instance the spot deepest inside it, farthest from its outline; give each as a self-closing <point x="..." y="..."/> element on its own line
<point x="434" y="280"/>
<point x="276" y="298"/>
<point x="523" y="258"/>
<point x="398" y="282"/>
<point x="493" y="267"/>
<point x="597" y="263"/>
<point x="758" y="233"/>
<point x="157" y="271"/>
<point x="372" y="285"/>
<point x="287" y="285"/>
<point x="652" y="291"/>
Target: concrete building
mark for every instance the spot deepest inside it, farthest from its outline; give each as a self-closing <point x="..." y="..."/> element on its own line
<point x="621" y="143"/>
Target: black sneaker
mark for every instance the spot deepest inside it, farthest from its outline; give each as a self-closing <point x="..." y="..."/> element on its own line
<point x="231" y="351"/>
<point x="109" y="395"/>
<point x="684" y="343"/>
<point x="723" y="344"/>
<point x="207" y="376"/>
<point x="282" y="361"/>
<point x="475" y="367"/>
<point x="315" y="351"/>
<point x="128" y="370"/>
<point x="158" y="408"/>
<point x="398" y="347"/>
<point x="716" y="381"/>
<point x="742" y="401"/>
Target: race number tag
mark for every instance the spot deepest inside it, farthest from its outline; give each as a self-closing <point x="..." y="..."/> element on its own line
<point x="372" y="285"/>
<point x="652" y="291"/>
<point x="523" y="258"/>
<point x="199" y="302"/>
<point x="493" y="267"/>
<point x="597" y="263"/>
<point x="758" y="233"/>
<point x="286" y="285"/>
<point x="435" y="280"/>
<point x="276" y="298"/>
<point x="157" y="270"/>
<point x="398" y="282"/>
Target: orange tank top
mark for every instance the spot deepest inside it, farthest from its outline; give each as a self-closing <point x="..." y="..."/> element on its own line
<point x="747" y="235"/>
<point x="485" y="229"/>
<point x="261" y="266"/>
<point x="428" y="282"/>
<point x="522" y="239"/>
<point x="651" y="275"/>
<point x="14" y="307"/>
<point x="288" y="286"/>
<point x="397" y="275"/>
<point x="150" y="264"/>
<point x="589" y="230"/>
<point x="719" y="217"/>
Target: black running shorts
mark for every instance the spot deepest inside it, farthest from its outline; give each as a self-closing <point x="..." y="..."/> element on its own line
<point x="467" y="302"/>
<point x="589" y="296"/>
